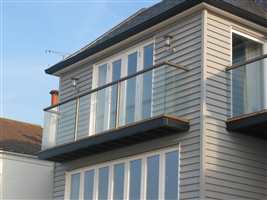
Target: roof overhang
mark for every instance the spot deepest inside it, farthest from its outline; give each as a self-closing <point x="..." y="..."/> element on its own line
<point x="116" y="138"/>
<point x="93" y="49"/>
<point x="254" y="124"/>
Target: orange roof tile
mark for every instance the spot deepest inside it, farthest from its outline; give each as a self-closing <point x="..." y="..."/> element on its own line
<point x="20" y="137"/>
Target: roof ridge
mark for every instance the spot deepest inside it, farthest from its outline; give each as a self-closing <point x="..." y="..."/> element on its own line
<point x="21" y="122"/>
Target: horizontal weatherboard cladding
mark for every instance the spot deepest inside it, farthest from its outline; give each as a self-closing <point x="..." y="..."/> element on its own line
<point x="67" y="124"/>
<point x="84" y="75"/>
<point x="183" y="100"/>
<point x="235" y="164"/>
<point x="183" y="97"/>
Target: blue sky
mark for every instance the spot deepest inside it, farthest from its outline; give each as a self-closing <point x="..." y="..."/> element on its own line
<point x="29" y="27"/>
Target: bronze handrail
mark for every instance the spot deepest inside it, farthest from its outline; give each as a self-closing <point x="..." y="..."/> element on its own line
<point x="234" y="66"/>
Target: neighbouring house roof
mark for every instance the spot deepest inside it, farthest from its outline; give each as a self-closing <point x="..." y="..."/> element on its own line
<point x="20" y="137"/>
<point x="252" y="10"/>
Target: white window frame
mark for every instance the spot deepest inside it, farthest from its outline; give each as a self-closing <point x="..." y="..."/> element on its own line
<point x="123" y="56"/>
<point x="126" y="161"/>
<point x="94" y="85"/>
<point x="252" y="37"/>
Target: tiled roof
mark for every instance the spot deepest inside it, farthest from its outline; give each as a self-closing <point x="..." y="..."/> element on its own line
<point x="20" y="137"/>
<point x="257" y="7"/>
<point x="145" y="18"/>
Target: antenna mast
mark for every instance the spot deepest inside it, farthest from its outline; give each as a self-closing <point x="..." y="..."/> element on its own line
<point x="62" y="54"/>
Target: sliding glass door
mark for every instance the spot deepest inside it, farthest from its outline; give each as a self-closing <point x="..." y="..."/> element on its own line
<point x="105" y="102"/>
<point x="139" y="89"/>
<point x="127" y="101"/>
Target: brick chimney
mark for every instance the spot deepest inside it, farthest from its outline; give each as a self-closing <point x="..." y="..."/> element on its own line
<point x="54" y="97"/>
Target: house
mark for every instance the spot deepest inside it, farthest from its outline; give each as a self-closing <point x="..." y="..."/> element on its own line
<point x="22" y="174"/>
<point x="169" y="104"/>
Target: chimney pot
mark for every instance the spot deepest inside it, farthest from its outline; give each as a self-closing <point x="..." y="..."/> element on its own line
<point x="54" y="97"/>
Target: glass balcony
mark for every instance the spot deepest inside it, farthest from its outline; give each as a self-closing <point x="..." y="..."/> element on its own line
<point x="249" y="98"/>
<point x="128" y="101"/>
<point x="249" y="86"/>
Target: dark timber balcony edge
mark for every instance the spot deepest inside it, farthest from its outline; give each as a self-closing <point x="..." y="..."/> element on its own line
<point x="254" y="124"/>
<point x="144" y="130"/>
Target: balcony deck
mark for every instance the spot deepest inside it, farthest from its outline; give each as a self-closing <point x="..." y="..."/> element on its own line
<point x="254" y="124"/>
<point x="149" y="129"/>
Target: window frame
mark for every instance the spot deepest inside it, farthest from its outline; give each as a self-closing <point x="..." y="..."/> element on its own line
<point x="250" y="36"/>
<point x="123" y="56"/>
<point x="126" y="161"/>
<point x="94" y="85"/>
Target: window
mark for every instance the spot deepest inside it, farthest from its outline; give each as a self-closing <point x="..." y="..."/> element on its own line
<point x="104" y="102"/>
<point x="131" y="93"/>
<point x="101" y="105"/>
<point x="152" y="183"/>
<point x="171" y="173"/>
<point x="135" y="179"/>
<point x="75" y="187"/>
<point x="128" y="101"/>
<point x="116" y="75"/>
<point x="147" y="83"/>
<point x="247" y="80"/>
<point x="147" y="176"/>
<point x="89" y="184"/>
<point x="118" y="190"/>
<point x="103" y="182"/>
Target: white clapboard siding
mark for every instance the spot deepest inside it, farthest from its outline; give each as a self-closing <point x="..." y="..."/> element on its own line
<point x="236" y="165"/>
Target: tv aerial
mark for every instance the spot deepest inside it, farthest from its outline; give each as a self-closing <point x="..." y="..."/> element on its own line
<point x="62" y="54"/>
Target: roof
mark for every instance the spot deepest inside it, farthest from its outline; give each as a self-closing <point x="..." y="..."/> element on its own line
<point x="151" y="16"/>
<point x="20" y="137"/>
